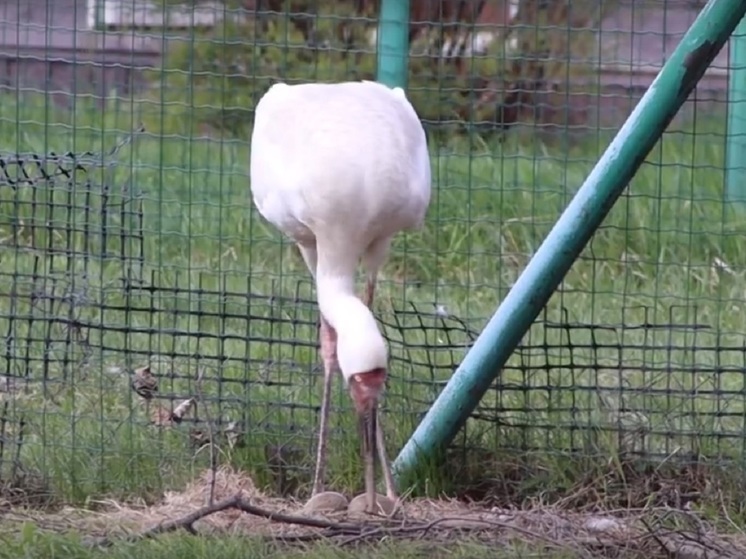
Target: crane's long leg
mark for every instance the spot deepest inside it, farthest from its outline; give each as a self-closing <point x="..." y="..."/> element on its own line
<point x="388" y="477"/>
<point x="328" y="342"/>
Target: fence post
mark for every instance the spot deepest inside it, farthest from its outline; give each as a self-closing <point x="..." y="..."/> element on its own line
<point x="393" y="43"/>
<point x="735" y="151"/>
<point x="95" y="14"/>
<point x="619" y="163"/>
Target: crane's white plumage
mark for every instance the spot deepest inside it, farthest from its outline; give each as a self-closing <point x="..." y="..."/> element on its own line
<point x="341" y="168"/>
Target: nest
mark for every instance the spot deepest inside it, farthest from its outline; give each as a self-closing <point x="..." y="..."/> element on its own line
<point x="226" y="501"/>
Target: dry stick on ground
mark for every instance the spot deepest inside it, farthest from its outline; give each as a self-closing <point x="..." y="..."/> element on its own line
<point x="581" y="546"/>
<point x="357" y="532"/>
<point x="656" y="538"/>
<point x="692" y="545"/>
<point x="236" y="502"/>
<point x="458" y="524"/>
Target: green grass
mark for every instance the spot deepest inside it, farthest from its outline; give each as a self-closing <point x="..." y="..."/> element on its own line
<point x="37" y="545"/>
<point x="557" y="410"/>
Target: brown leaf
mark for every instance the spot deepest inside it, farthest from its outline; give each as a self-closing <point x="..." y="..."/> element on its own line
<point x="144" y="383"/>
<point x="181" y="410"/>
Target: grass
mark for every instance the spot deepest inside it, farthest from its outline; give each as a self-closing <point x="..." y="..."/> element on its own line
<point x="34" y="544"/>
<point x="632" y="376"/>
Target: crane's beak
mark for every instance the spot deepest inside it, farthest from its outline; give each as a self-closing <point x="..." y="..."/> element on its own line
<point x="365" y="389"/>
<point x="368" y="425"/>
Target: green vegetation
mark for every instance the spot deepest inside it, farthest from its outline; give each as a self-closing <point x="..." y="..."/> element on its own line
<point x="184" y="246"/>
<point x="215" y="77"/>
<point x="670" y="245"/>
<point x="188" y="547"/>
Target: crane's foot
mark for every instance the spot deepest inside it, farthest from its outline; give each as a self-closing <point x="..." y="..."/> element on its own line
<point x="326" y="501"/>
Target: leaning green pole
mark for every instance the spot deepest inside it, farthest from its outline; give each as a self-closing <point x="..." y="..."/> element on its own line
<point x="393" y="43"/>
<point x="619" y="163"/>
<point x="735" y="177"/>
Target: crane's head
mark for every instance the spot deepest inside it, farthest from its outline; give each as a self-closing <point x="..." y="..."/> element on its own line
<point x="366" y="388"/>
<point x="363" y="359"/>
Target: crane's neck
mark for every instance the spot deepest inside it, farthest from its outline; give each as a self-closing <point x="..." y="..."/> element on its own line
<point x="339" y="304"/>
<point x="360" y="346"/>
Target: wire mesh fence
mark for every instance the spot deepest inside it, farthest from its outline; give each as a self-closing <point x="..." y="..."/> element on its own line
<point x="153" y="323"/>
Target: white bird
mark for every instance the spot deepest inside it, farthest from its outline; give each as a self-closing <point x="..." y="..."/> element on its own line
<point x="340" y="169"/>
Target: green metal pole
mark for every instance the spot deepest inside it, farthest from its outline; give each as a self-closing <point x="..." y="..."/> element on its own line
<point x="619" y="163"/>
<point x="98" y="14"/>
<point x="735" y="178"/>
<point x="393" y="43"/>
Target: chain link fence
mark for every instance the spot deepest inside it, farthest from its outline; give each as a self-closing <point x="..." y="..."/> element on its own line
<point x="153" y="324"/>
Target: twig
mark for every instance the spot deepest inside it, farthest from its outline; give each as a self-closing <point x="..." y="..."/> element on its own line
<point x="352" y="533"/>
<point x="356" y="532"/>
<point x="237" y="502"/>
<point x="656" y="538"/>
<point x="704" y="543"/>
<point x="681" y="543"/>
<point x="474" y="523"/>
<point x="340" y="527"/>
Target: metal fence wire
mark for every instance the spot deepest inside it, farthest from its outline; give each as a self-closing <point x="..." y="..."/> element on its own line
<point x="153" y="323"/>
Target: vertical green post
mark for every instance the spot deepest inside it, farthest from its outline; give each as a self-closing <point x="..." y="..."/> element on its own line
<point x="393" y="43"/>
<point x="735" y="151"/>
<point x="97" y="7"/>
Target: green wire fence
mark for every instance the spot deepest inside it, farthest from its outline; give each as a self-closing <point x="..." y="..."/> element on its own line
<point x="153" y="325"/>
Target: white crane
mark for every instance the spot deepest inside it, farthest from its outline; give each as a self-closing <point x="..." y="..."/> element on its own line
<point x="340" y="169"/>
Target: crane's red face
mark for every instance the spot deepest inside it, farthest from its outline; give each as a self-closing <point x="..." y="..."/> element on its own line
<point x="365" y="388"/>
